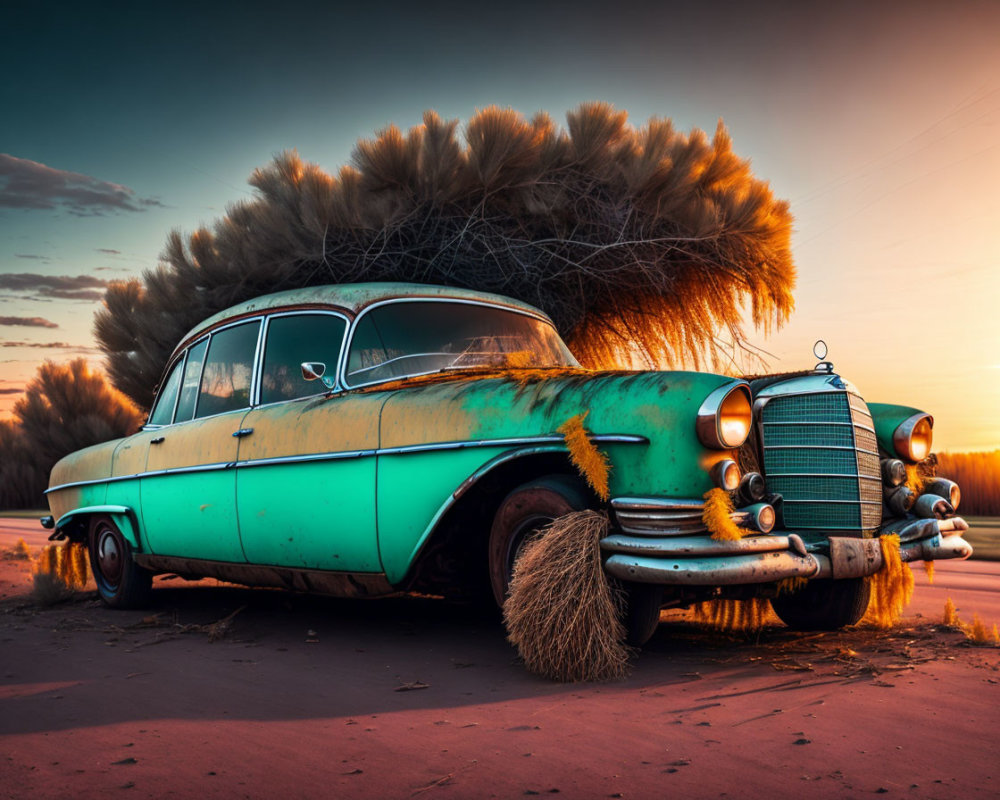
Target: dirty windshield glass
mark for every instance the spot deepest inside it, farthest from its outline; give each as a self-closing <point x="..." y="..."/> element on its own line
<point x="415" y="338"/>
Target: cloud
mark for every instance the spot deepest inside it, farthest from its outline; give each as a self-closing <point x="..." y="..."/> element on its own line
<point x="12" y="391"/>
<point x="31" y="256"/>
<point x="30" y="185"/>
<point x="28" y="322"/>
<point x="108" y="251"/>
<point x="52" y="346"/>
<point x="62" y="287"/>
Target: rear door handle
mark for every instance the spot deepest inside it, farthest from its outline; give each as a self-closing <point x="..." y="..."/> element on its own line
<point x="242" y="432"/>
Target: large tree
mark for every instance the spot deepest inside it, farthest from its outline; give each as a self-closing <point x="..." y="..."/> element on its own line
<point x="641" y="243"/>
<point x="64" y="408"/>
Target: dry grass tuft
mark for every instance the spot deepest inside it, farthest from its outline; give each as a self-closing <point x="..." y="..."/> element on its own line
<point x="563" y="614"/>
<point x="591" y="463"/>
<point x="791" y="585"/>
<point x="929" y="570"/>
<point x="977" y="633"/>
<point x="950" y="616"/>
<point x="59" y="571"/>
<point x="891" y="587"/>
<point x="734" y="615"/>
<point x="915" y="479"/>
<point x="716" y="516"/>
<point x="21" y="551"/>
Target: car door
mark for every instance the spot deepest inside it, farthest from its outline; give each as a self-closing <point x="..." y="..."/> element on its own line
<point x="305" y="485"/>
<point x="188" y="488"/>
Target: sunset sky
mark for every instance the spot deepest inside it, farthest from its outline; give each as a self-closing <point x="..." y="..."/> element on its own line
<point x="879" y="122"/>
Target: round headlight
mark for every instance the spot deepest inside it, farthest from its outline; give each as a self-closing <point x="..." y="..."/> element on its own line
<point x="914" y="436"/>
<point x="726" y="474"/>
<point x="725" y="416"/>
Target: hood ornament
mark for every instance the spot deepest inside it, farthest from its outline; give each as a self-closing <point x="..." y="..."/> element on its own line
<point x="820" y="351"/>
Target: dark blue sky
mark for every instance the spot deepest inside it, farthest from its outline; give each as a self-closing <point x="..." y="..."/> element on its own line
<point x="878" y="121"/>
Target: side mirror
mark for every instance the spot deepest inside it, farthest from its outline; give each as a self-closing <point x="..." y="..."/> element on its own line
<point x="313" y="371"/>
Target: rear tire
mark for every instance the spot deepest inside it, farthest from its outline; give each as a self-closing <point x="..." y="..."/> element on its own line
<point x="524" y="512"/>
<point x="824" y="605"/>
<point x="121" y="582"/>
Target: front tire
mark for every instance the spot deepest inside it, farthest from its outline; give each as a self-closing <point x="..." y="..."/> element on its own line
<point x="824" y="605"/>
<point x="121" y="583"/>
<point x="642" y="617"/>
<point x="524" y="512"/>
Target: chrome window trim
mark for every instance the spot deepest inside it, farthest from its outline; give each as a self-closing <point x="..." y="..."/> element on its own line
<point x="194" y="409"/>
<point x="181" y="360"/>
<point x="342" y="375"/>
<point x="256" y="355"/>
<point x="601" y="438"/>
<point x="262" y="351"/>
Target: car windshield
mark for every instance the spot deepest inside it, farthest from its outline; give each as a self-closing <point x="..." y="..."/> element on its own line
<point x="415" y="338"/>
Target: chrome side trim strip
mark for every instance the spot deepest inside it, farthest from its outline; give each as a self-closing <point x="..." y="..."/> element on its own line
<point x="606" y="438"/>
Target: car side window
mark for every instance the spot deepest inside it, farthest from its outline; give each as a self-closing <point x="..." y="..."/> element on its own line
<point x="163" y="411"/>
<point x="226" y="378"/>
<point x="192" y="377"/>
<point x="290" y="341"/>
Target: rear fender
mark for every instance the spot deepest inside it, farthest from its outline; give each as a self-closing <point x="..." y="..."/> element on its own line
<point x="75" y="524"/>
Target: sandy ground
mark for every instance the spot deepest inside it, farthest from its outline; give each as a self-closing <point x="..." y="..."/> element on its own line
<point x="312" y="697"/>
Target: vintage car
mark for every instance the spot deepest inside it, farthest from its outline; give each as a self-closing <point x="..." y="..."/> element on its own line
<point x="368" y="439"/>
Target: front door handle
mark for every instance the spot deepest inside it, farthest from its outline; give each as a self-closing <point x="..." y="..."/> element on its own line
<point x="242" y="432"/>
<point x="157" y="440"/>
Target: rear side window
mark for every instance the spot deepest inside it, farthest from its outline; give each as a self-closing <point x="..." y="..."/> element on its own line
<point x="226" y="378"/>
<point x="164" y="409"/>
<point x="192" y="377"/>
<point x="292" y="340"/>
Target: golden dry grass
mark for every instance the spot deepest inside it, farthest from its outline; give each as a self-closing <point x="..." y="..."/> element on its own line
<point x="978" y="475"/>
<point x="891" y="587"/>
<point x="563" y="614"/>
<point x="590" y="462"/>
<point x="716" y="516"/>
<point x="59" y="571"/>
<point x="734" y="615"/>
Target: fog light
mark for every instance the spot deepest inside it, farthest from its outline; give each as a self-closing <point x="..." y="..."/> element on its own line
<point x="752" y="487"/>
<point x="893" y="472"/>
<point x="949" y="490"/>
<point x="899" y="500"/>
<point x="762" y="515"/>
<point x="930" y="506"/>
<point x="726" y="474"/>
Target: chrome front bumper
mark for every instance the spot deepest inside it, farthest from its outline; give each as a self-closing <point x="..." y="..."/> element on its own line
<point x="665" y="542"/>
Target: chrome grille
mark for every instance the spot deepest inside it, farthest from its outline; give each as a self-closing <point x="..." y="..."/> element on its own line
<point x="821" y="456"/>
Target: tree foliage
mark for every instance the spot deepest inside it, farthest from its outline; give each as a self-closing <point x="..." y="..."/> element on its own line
<point x="66" y="407"/>
<point x="639" y="242"/>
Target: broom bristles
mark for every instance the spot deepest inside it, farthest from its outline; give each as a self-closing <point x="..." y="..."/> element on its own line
<point x="891" y="586"/>
<point x="563" y="614"/>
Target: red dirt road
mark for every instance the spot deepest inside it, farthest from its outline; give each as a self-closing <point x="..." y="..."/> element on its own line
<point x="312" y="697"/>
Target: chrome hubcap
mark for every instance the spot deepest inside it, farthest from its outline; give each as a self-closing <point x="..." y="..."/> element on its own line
<point x="109" y="557"/>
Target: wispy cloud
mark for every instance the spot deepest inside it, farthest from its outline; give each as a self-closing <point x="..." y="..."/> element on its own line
<point x="108" y="251"/>
<point x="51" y="346"/>
<point x="28" y="322"/>
<point x="12" y="391"/>
<point x="30" y="185"/>
<point x="31" y="256"/>
<point x="63" y="287"/>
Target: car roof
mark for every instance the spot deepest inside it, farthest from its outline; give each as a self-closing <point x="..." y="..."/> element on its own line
<point x="352" y="297"/>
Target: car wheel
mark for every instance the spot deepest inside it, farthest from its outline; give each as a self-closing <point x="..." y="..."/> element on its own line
<point x="121" y="582"/>
<point x="643" y="602"/>
<point x="523" y="512"/>
<point x="824" y="605"/>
